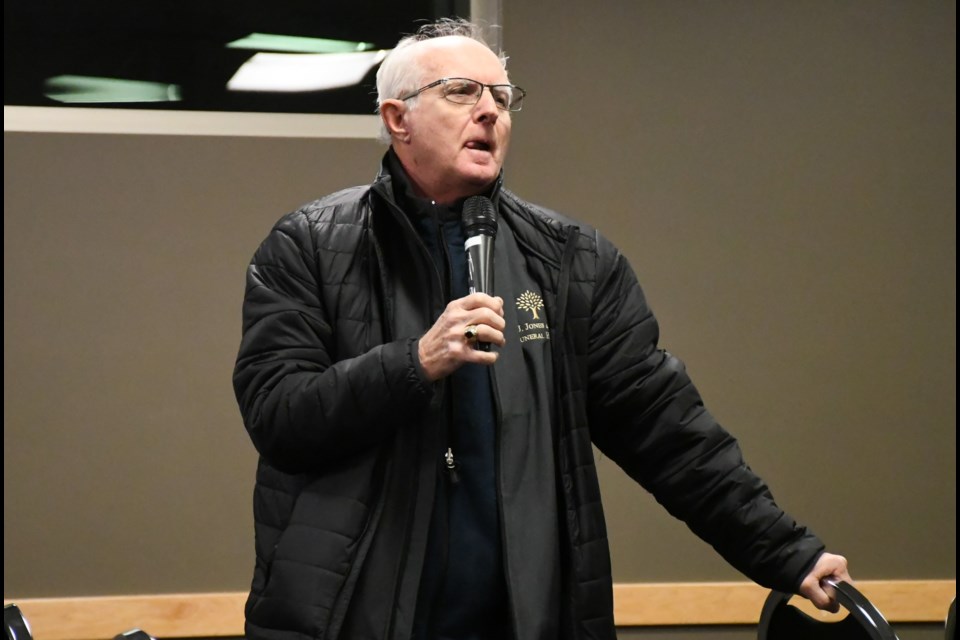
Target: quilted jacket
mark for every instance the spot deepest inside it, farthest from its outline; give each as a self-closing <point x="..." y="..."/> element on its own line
<point x="333" y="397"/>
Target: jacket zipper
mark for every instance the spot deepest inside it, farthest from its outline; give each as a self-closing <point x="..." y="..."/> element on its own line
<point x="401" y="217"/>
<point x="449" y="461"/>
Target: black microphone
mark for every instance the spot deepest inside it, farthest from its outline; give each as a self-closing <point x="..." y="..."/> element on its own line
<point x="480" y="227"/>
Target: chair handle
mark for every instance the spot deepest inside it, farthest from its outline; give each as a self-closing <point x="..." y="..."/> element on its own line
<point x="14" y="624"/>
<point x="861" y="609"/>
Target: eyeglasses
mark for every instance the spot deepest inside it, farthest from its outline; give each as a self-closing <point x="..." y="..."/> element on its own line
<point x="466" y="91"/>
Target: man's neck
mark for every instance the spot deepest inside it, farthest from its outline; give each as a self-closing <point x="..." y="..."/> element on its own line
<point x="436" y="195"/>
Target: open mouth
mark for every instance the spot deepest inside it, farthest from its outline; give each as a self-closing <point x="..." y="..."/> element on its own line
<point x="478" y="145"/>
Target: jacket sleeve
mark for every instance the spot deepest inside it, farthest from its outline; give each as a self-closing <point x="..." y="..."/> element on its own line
<point x="647" y="416"/>
<point x="301" y="405"/>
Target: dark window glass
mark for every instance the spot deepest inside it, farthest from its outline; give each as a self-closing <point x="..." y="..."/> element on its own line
<point x="288" y="56"/>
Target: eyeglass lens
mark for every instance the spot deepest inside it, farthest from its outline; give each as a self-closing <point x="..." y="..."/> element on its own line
<point x="465" y="91"/>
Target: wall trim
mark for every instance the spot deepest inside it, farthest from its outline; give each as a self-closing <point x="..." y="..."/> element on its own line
<point x="636" y="604"/>
<point x="711" y="603"/>
<point x="188" y="123"/>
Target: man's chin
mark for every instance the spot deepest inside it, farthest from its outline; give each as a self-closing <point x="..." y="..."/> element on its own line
<point x="481" y="185"/>
<point x="482" y="175"/>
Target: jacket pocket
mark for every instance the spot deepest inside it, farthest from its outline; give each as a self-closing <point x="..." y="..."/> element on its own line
<point x="317" y="548"/>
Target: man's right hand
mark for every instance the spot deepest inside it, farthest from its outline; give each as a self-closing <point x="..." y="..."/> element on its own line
<point x="445" y="347"/>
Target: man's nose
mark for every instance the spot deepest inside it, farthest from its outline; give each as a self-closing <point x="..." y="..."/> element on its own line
<point x="486" y="108"/>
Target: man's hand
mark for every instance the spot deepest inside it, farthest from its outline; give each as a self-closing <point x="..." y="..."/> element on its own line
<point x="446" y="347"/>
<point x="823" y="597"/>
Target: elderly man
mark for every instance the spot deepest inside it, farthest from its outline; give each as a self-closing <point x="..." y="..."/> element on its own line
<point x="411" y="484"/>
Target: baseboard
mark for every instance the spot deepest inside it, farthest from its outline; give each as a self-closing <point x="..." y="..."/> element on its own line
<point x="636" y="604"/>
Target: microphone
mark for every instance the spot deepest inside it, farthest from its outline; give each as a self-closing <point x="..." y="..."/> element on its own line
<point x="480" y="226"/>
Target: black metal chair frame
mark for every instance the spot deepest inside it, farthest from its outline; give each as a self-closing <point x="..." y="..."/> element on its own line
<point x="863" y="616"/>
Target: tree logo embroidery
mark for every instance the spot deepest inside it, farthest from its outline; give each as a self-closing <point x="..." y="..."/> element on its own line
<point x="537" y="328"/>
<point x="529" y="301"/>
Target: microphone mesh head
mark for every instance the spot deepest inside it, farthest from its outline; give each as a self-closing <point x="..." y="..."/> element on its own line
<point x="479" y="216"/>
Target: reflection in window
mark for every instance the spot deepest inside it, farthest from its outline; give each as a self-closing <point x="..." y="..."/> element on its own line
<point x="205" y="55"/>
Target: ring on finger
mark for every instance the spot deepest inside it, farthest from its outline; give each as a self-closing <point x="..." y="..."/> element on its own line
<point x="471" y="332"/>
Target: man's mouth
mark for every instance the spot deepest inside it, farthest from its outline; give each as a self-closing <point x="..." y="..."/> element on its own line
<point x="478" y="145"/>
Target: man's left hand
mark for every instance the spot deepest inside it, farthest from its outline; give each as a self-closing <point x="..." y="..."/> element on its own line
<point x="823" y="597"/>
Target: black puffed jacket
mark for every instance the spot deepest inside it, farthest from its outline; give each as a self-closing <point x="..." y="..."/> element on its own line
<point x="345" y="422"/>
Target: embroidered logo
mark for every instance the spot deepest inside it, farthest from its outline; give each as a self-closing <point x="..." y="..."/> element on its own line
<point x="529" y="301"/>
<point x="537" y="329"/>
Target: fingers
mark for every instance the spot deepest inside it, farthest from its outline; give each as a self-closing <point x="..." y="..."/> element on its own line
<point x="479" y="306"/>
<point x="814" y="586"/>
<point x="489" y="330"/>
<point x="478" y="310"/>
<point x="471" y="333"/>
<point x="824" y="597"/>
<point x="812" y="590"/>
<point x="451" y="342"/>
<point x="476" y="300"/>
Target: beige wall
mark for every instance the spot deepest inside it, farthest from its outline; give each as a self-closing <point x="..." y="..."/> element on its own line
<point x="781" y="176"/>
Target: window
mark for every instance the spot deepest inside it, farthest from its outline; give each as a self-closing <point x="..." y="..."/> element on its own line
<point x="282" y="56"/>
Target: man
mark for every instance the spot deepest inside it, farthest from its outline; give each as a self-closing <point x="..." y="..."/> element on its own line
<point x="411" y="484"/>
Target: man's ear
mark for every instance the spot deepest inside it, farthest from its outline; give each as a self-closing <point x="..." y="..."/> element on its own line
<point x="393" y="113"/>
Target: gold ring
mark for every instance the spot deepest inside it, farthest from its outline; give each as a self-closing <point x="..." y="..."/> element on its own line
<point x="471" y="332"/>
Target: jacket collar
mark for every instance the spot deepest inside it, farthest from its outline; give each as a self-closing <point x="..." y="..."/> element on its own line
<point x="412" y="204"/>
<point x="543" y="234"/>
<point x="391" y="172"/>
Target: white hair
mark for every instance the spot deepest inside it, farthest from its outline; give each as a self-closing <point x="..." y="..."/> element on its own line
<point x="401" y="72"/>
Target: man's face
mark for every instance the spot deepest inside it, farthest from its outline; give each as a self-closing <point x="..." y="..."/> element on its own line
<point x="455" y="150"/>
